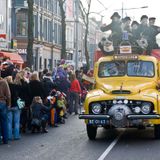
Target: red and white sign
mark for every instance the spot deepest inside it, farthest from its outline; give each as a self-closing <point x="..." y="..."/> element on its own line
<point x="3" y="42"/>
<point x="2" y="37"/>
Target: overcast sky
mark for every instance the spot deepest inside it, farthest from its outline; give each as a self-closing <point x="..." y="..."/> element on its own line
<point x="153" y="9"/>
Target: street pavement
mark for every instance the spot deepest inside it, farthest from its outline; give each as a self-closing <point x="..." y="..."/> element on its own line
<point x="70" y="142"/>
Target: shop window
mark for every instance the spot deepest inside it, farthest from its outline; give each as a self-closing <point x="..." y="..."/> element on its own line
<point x="21" y="26"/>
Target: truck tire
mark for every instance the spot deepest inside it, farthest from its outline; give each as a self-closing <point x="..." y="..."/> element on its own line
<point x="157" y="131"/>
<point x="91" y="132"/>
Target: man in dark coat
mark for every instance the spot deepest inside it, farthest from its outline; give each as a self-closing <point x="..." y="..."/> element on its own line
<point x="146" y="32"/>
<point x="48" y="84"/>
<point x="115" y="27"/>
<point x="156" y="31"/>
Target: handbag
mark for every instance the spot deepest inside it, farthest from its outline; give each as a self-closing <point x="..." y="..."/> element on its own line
<point x="20" y="103"/>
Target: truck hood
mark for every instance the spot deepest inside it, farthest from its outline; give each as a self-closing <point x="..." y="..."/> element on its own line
<point x="126" y="86"/>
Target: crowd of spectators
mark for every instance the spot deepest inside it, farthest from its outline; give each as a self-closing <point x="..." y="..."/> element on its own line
<point x="31" y="101"/>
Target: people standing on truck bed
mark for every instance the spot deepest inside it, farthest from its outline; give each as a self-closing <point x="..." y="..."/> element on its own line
<point x="156" y="30"/>
<point x="142" y="35"/>
<point x="115" y="27"/>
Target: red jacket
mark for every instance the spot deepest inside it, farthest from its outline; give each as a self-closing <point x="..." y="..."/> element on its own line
<point x="75" y="86"/>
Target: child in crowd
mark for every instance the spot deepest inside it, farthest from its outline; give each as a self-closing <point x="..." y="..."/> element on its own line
<point x="61" y="106"/>
<point x="52" y="100"/>
<point x="39" y="115"/>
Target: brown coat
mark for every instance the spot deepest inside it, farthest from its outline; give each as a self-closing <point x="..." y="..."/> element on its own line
<point x="5" y="95"/>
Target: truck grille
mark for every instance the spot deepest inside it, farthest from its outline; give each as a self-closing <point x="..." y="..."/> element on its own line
<point x="121" y="92"/>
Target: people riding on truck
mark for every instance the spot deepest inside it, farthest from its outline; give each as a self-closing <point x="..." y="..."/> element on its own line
<point x="141" y="36"/>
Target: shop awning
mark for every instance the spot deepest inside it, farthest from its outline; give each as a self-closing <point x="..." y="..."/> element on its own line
<point x="14" y="57"/>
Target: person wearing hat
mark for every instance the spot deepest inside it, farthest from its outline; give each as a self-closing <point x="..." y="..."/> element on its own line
<point x="126" y="24"/>
<point x="145" y="32"/>
<point x="115" y="27"/>
<point x="156" y="31"/>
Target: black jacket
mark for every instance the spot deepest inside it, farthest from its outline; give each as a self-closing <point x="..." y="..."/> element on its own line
<point x="38" y="110"/>
<point x="36" y="89"/>
<point x="14" y="94"/>
<point x="48" y="86"/>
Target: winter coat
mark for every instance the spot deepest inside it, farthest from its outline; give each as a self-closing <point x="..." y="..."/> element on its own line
<point x="36" y="89"/>
<point x="38" y="110"/>
<point x="48" y="86"/>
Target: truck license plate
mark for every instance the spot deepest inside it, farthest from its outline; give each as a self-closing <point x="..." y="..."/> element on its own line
<point x="98" y="122"/>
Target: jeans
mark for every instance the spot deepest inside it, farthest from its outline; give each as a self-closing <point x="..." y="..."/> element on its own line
<point x="14" y="123"/>
<point x="74" y="102"/>
<point x="3" y="122"/>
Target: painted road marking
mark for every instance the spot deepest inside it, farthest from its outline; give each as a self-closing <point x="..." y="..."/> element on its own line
<point x="106" y="152"/>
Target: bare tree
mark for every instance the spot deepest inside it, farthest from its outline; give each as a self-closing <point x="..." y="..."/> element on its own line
<point x="30" y="34"/>
<point x="85" y="16"/>
<point x="63" y="21"/>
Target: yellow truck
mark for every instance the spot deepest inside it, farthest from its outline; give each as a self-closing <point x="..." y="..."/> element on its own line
<point x="126" y="94"/>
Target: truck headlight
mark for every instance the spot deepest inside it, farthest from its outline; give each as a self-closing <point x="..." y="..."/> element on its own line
<point x="146" y="108"/>
<point x="137" y="110"/>
<point x="96" y="108"/>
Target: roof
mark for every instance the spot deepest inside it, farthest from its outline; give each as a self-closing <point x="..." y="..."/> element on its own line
<point x="14" y="57"/>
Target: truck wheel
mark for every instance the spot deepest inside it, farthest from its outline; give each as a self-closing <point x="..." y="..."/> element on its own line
<point x="91" y="132"/>
<point x="157" y="131"/>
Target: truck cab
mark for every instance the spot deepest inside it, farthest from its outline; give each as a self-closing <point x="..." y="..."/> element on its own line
<point x="125" y="95"/>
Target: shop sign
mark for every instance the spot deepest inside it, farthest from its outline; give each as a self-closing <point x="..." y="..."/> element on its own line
<point x="22" y="51"/>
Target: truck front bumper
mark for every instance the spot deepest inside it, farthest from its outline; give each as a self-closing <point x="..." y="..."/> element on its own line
<point x="107" y="117"/>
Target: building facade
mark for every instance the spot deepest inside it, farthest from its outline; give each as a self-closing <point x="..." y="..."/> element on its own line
<point x="5" y="23"/>
<point x="47" y="31"/>
<point x="94" y="37"/>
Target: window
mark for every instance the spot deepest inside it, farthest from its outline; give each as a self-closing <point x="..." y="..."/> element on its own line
<point x="36" y="26"/>
<point x="55" y="33"/>
<point x="21" y="25"/>
<point x="59" y="34"/>
<point x="41" y="3"/>
<point x="111" y="69"/>
<point x="50" y="5"/>
<point x="40" y="62"/>
<point x="36" y="2"/>
<point x="50" y="31"/>
<point x="45" y="4"/>
<point x="45" y="29"/>
<point x="41" y="26"/>
<point x="55" y="3"/>
<point x="140" y="69"/>
<point x="45" y="63"/>
<point x="1" y="21"/>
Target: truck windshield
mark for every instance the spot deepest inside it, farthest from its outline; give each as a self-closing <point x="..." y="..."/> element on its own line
<point x="140" y="69"/>
<point x="112" y="69"/>
<point x="131" y="68"/>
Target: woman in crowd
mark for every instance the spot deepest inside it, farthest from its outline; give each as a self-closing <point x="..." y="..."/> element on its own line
<point x="75" y="91"/>
<point x="23" y="91"/>
<point x="36" y="87"/>
<point x="13" y="111"/>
